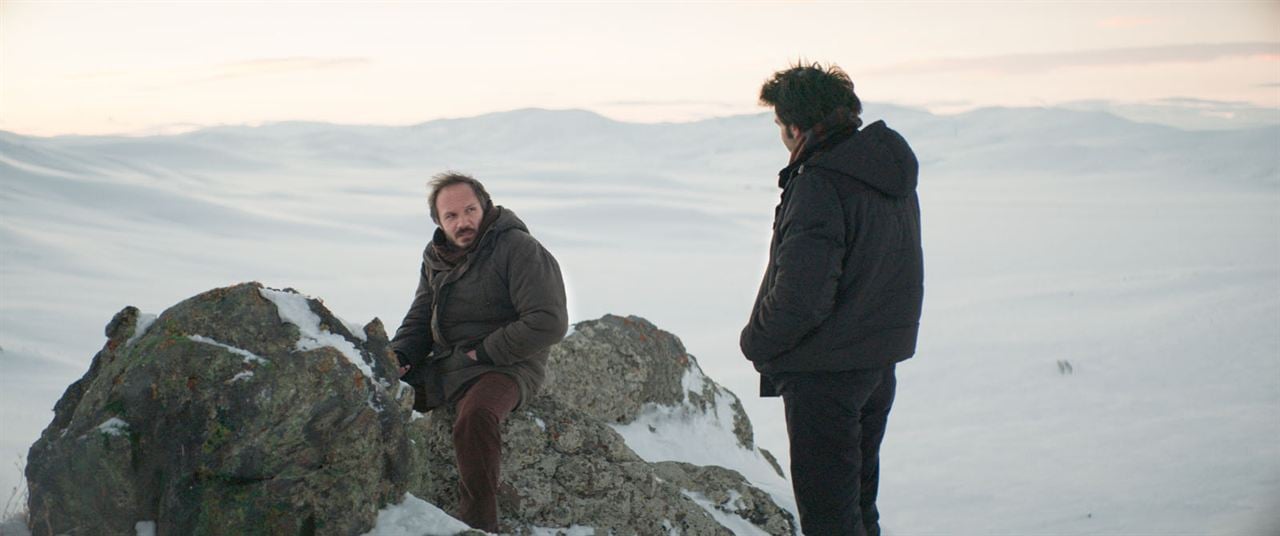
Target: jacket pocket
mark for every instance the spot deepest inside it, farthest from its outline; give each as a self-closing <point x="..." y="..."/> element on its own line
<point x="429" y="394"/>
<point x="427" y="383"/>
<point x="455" y="361"/>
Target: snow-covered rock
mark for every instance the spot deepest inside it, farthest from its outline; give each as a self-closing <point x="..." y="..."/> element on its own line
<point x="640" y="380"/>
<point x="223" y="417"/>
<point x="626" y="432"/>
<point x="246" y="408"/>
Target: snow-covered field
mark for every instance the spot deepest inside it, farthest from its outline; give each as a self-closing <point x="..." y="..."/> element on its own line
<point x="1145" y="256"/>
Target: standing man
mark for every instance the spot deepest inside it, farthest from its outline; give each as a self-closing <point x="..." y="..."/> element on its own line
<point x="840" y="302"/>
<point x="489" y="305"/>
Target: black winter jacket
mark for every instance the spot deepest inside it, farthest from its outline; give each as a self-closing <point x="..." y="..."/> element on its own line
<point x="845" y="281"/>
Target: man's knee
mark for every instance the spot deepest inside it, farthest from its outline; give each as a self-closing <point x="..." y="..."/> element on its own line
<point x="475" y="421"/>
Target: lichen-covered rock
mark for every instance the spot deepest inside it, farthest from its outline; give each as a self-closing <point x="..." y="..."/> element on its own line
<point x="561" y="468"/>
<point x="614" y="368"/>
<point x="247" y="410"/>
<point x="728" y="492"/>
<point x="611" y="367"/>
<point x="564" y="464"/>
<point x="242" y="410"/>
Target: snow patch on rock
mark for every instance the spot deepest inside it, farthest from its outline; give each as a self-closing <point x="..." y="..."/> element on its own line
<point x="414" y="517"/>
<point x="733" y="522"/>
<point x="145" y="528"/>
<point x="249" y="357"/>
<point x="114" y="426"/>
<point x="144" y="323"/>
<point x="294" y="309"/>
<point x="661" y="433"/>
<point x="575" y="530"/>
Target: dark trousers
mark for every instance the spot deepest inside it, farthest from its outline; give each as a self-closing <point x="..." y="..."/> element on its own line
<point x="835" y="421"/>
<point x="477" y="445"/>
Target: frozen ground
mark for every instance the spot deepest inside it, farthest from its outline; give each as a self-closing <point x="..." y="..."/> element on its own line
<point x="1146" y="257"/>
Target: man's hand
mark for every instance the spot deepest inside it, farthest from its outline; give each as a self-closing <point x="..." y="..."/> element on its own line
<point x="472" y="354"/>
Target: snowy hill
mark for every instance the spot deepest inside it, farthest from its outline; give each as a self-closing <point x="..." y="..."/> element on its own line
<point x="1146" y="256"/>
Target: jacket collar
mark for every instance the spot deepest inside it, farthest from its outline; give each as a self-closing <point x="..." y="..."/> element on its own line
<point x="813" y="147"/>
<point x="503" y="220"/>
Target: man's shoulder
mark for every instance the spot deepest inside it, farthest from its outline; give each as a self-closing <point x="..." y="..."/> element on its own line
<point x="810" y="172"/>
<point x="515" y="236"/>
<point x="518" y="242"/>
<point x="812" y="181"/>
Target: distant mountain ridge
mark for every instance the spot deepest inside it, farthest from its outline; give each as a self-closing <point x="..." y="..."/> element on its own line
<point x="1162" y="114"/>
<point x="987" y="140"/>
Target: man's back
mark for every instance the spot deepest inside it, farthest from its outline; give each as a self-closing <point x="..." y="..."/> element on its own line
<point x="839" y="306"/>
<point x="867" y="312"/>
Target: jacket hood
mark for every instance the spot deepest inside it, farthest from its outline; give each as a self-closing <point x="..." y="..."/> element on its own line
<point x="505" y="221"/>
<point x="877" y="156"/>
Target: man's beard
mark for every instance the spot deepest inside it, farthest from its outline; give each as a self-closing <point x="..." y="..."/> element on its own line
<point x="467" y="233"/>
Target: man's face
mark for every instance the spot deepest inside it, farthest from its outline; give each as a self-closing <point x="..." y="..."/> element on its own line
<point x="790" y="135"/>
<point x="460" y="213"/>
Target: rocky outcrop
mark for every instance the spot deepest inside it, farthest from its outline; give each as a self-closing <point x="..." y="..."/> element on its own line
<point x="247" y="410"/>
<point x="565" y="464"/>
<point x="225" y="416"/>
<point x="617" y="368"/>
<point x="562" y="468"/>
<point x="724" y="492"/>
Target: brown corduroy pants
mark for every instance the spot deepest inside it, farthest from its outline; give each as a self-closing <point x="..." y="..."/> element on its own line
<point x="477" y="445"/>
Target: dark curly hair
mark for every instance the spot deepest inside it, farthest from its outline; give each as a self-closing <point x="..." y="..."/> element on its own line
<point x="806" y="95"/>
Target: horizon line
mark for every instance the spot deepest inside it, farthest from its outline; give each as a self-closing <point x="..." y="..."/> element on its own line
<point x="952" y="109"/>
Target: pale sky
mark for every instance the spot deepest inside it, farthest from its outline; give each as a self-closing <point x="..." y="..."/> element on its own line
<point x="138" y="67"/>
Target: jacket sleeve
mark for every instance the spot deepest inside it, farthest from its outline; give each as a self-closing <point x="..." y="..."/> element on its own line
<point x="412" y="341"/>
<point x="537" y="292"/>
<point x="806" y="271"/>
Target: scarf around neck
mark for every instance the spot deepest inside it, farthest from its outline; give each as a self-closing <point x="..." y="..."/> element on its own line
<point x="832" y="129"/>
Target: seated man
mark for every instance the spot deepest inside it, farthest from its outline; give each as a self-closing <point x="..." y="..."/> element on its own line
<point x="489" y="305"/>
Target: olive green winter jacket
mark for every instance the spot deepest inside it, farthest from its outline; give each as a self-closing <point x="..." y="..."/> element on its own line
<point x="505" y="300"/>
